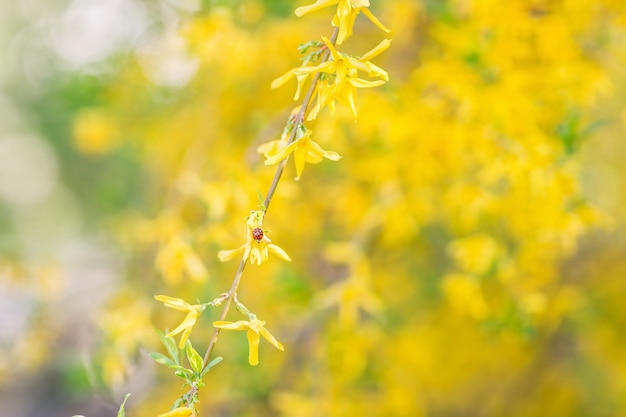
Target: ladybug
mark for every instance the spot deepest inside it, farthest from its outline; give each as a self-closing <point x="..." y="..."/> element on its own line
<point x="257" y="234"/>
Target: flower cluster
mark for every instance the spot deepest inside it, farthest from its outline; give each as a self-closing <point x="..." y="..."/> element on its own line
<point x="339" y="77"/>
<point x="335" y="79"/>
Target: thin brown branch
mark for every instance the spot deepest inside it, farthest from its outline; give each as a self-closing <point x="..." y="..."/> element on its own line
<point x="297" y="122"/>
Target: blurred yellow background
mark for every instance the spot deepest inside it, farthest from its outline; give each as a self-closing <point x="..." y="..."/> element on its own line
<point x="465" y="257"/>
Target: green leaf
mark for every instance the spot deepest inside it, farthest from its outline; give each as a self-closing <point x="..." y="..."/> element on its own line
<point x="183" y="372"/>
<point x="162" y="359"/>
<point x="121" y="412"/>
<point x="171" y="347"/>
<point x="194" y="358"/>
<point x="211" y="365"/>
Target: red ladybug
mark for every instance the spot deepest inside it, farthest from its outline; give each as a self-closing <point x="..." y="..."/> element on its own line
<point x="257" y="234"/>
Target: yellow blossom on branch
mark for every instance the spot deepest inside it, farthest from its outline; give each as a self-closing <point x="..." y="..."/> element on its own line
<point x="340" y="77"/>
<point x="255" y="329"/>
<point x="257" y="246"/>
<point x="304" y="150"/>
<point x="347" y="11"/>
<point x="193" y="312"/>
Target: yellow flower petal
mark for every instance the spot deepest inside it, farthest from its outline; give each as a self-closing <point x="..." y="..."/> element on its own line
<point x="175" y="303"/>
<point x="193" y="312"/>
<point x="229" y="325"/>
<point x="282" y="79"/>
<point x="270" y="338"/>
<point x="278" y="251"/>
<point x="253" y="347"/>
<point x="300" y="74"/>
<point x="374" y="19"/>
<point x="299" y="158"/>
<point x="246" y="251"/>
<point x="326" y="66"/>
<point x="280" y="155"/>
<point x="360" y="3"/>
<point x="183" y="337"/>
<point x="345" y="24"/>
<point x="227" y="255"/>
<point x="313" y="157"/>
<point x="318" y="5"/>
<point x="269" y="147"/>
<point x="357" y="64"/>
<point x="190" y="321"/>
<point x="316" y="148"/>
<point x="301" y="79"/>
<point x="179" y="412"/>
<point x="377" y="50"/>
<point x="333" y="51"/>
<point x="376" y="71"/>
<point x="361" y="83"/>
<point x="258" y="254"/>
<point x="349" y="96"/>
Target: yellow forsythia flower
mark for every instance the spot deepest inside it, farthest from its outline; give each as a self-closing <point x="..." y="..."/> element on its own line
<point x="303" y="149"/>
<point x="193" y="312"/>
<point x="255" y="329"/>
<point x="257" y="246"/>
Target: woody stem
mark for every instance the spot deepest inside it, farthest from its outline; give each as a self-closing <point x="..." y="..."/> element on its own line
<point x="299" y="118"/>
